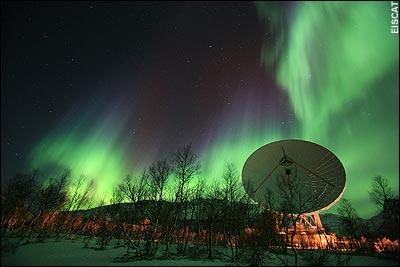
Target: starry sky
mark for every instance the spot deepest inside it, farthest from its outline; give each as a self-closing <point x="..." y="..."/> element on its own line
<point x="107" y="88"/>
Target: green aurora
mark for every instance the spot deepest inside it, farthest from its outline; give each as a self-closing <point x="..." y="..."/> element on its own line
<point x="340" y="69"/>
<point x="91" y="150"/>
<point x="338" y="63"/>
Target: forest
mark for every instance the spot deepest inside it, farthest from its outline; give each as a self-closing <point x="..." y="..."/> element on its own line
<point x="168" y="211"/>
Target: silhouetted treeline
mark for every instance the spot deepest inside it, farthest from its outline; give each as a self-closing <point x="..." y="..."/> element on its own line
<point x="169" y="203"/>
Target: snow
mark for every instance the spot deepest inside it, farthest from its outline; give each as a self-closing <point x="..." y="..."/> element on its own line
<point x="372" y="261"/>
<point x="71" y="252"/>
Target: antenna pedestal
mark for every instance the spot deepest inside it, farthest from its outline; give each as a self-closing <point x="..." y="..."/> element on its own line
<point x="309" y="232"/>
<point x="306" y="224"/>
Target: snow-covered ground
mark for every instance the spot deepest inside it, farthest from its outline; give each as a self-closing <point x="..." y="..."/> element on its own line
<point x="71" y="252"/>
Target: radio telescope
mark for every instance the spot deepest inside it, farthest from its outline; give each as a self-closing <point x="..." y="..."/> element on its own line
<point x="311" y="175"/>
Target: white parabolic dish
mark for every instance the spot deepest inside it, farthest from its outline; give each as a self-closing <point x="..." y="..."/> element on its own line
<point x="319" y="174"/>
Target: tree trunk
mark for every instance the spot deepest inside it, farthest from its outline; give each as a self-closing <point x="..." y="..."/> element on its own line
<point x="210" y="239"/>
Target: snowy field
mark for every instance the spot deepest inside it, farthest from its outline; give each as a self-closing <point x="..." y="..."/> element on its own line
<point x="71" y="252"/>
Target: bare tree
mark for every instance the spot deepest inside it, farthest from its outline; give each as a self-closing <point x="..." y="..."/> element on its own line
<point x="17" y="198"/>
<point x="382" y="195"/>
<point x="231" y="191"/>
<point x="53" y="194"/>
<point x="117" y="213"/>
<point x="381" y="191"/>
<point x="197" y="214"/>
<point x="185" y="166"/>
<point x="117" y="196"/>
<point x="50" y="199"/>
<point x="213" y="211"/>
<point x="171" y="214"/>
<point x="159" y="173"/>
<point x="136" y="190"/>
<point x="350" y="222"/>
<point x="293" y="203"/>
<point x="80" y="194"/>
<point x="264" y="236"/>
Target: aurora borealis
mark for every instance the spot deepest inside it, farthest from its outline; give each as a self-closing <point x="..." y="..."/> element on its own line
<point x="126" y="85"/>
<point x="340" y="69"/>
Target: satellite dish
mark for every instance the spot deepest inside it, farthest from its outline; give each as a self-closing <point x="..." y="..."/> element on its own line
<point x="277" y="168"/>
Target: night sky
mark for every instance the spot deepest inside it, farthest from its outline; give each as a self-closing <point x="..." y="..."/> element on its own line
<point x="107" y="88"/>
